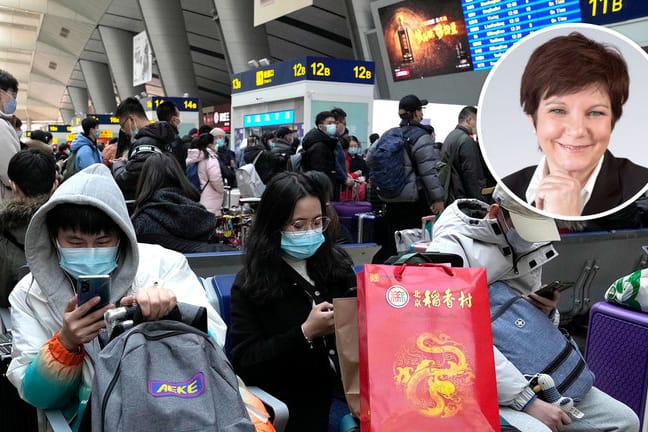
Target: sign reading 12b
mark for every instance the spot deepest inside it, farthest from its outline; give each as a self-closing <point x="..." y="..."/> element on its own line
<point x="305" y="68"/>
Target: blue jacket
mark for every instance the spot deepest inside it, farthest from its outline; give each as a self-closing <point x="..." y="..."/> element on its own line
<point x="86" y="150"/>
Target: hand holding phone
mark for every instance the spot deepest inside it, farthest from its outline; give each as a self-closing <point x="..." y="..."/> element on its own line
<point x="90" y="286"/>
<point x="547" y="291"/>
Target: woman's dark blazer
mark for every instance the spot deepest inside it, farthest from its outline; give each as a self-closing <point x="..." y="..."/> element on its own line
<point x="618" y="181"/>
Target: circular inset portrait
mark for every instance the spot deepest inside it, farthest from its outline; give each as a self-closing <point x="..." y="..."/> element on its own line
<point x="561" y="121"/>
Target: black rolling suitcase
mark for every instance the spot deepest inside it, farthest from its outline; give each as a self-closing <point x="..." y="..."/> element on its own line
<point x="15" y="413"/>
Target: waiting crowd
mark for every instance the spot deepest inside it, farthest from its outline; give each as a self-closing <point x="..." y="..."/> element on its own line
<point x="131" y="209"/>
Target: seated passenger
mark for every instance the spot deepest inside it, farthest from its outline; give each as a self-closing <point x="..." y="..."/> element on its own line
<point x="84" y="229"/>
<point x="32" y="176"/>
<point x="167" y="211"/>
<point x="212" y="188"/>
<point x="282" y="326"/>
<point x="513" y="244"/>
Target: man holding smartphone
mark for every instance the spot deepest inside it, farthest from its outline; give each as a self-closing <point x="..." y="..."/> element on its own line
<point x="84" y="229"/>
<point x="513" y="243"/>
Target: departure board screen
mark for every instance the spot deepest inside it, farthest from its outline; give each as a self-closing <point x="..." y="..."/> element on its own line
<point x="425" y="38"/>
<point x="495" y="25"/>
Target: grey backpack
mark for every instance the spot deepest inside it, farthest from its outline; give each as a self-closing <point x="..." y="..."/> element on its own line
<point x="166" y="375"/>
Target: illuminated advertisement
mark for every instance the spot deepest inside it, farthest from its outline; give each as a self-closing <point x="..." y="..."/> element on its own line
<point x="425" y="38"/>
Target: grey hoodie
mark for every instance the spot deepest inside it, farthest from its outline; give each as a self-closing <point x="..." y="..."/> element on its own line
<point x="93" y="186"/>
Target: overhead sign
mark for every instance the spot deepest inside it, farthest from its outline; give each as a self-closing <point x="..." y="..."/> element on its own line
<point x="268" y="10"/>
<point x="59" y="128"/>
<point x="612" y="11"/>
<point x="142" y="59"/>
<point x="269" y="119"/>
<point x="183" y="104"/>
<point x="105" y="118"/>
<point x="305" y="68"/>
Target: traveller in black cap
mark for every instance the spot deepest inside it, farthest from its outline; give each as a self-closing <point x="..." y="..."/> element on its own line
<point x="411" y="103"/>
<point x="422" y="194"/>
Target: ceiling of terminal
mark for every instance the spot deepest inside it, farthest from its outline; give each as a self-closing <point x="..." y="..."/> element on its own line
<point x="42" y="41"/>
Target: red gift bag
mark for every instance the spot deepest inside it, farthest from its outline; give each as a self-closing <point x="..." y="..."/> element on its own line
<point x="426" y="350"/>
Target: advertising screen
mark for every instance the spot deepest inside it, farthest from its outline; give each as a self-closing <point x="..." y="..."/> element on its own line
<point x="425" y="38"/>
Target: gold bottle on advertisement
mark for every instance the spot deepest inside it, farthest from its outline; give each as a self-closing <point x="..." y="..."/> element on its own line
<point x="404" y="41"/>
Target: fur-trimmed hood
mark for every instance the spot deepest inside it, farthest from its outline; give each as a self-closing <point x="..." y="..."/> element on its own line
<point x="15" y="216"/>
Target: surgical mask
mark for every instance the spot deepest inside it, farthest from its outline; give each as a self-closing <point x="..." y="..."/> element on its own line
<point x="519" y="245"/>
<point x="97" y="132"/>
<point x="301" y="244"/>
<point x="10" y="107"/>
<point x="271" y="145"/>
<point x="220" y="142"/>
<point x="88" y="261"/>
<point x="353" y="150"/>
<point x="19" y="134"/>
<point x="331" y="129"/>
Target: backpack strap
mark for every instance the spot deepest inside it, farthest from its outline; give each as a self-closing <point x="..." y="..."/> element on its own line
<point x="256" y="158"/>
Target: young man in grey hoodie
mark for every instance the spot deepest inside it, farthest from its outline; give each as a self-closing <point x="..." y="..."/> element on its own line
<point x="84" y="229"/>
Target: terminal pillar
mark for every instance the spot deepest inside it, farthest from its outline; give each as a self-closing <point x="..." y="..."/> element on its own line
<point x="242" y="41"/>
<point x="79" y="96"/>
<point x="119" y="49"/>
<point x="167" y="35"/>
<point x="100" y="86"/>
<point x="67" y="115"/>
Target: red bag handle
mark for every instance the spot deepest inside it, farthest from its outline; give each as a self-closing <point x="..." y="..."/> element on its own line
<point x="399" y="270"/>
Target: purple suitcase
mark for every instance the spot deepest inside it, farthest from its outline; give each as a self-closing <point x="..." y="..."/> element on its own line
<point x="346" y="210"/>
<point x="617" y="353"/>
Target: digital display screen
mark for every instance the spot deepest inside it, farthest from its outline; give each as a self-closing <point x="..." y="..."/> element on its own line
<point x="425" y="38"/>
<point x="494" y="26"/>
<point x="269" y="119"/>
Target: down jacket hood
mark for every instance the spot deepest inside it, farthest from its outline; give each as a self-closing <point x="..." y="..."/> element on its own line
<point x="159" y="134"/>
<point x="92" y="186"/>
<point x="80" y="141"/>
<point x="462" y="229"/>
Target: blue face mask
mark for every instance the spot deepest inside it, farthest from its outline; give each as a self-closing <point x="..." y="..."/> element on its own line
<point x="301" y="244"/>
<point x="220" y="142"/>
<point x="271" y="145"/>
<point x="331" y="129"/>
<point x="88" y="261"/>
<point x="353" y="150"/>
<point x="10" y="107"/>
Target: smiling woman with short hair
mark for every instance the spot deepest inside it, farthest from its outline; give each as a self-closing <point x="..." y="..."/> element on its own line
<point x="573" y="90"/>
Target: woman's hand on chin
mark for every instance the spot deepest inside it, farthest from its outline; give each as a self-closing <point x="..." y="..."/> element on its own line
<point x="559" y="194"/>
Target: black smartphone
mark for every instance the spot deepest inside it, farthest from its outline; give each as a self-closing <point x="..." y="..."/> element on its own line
<point x="89" y="286"/>
<point x="548" y="290"/>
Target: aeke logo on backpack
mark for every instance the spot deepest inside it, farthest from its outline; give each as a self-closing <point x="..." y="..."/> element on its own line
<point x="193" y="387"/>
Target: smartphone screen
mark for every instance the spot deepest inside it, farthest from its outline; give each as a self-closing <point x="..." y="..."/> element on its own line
<point x="89" y="286"/>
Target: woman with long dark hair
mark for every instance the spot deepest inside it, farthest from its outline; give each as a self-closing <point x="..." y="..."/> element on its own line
<point x="212" y="188"/>
<point x="282" y="325"/>
<point x="167" y="211"/>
